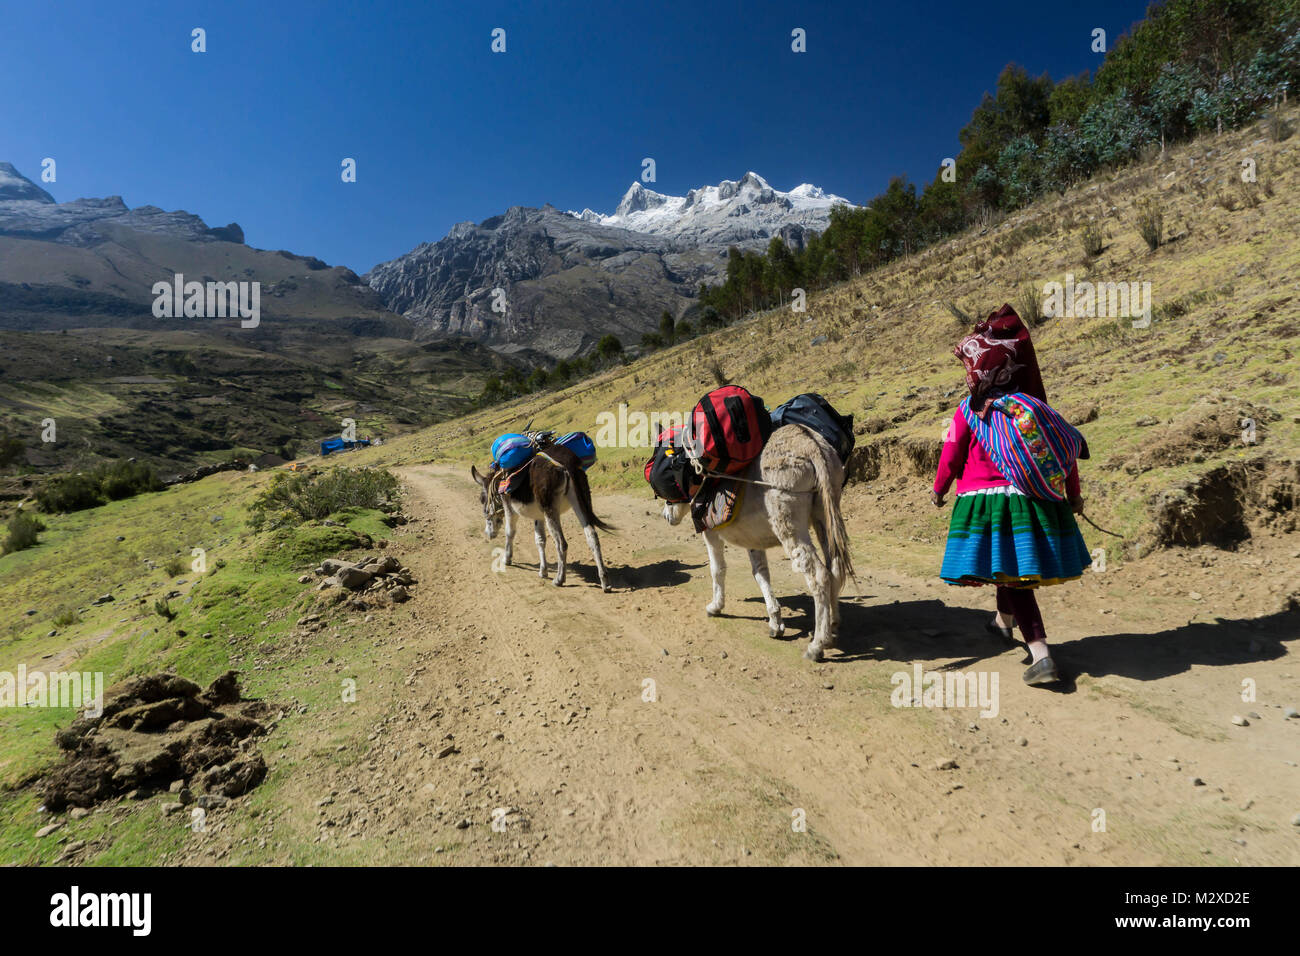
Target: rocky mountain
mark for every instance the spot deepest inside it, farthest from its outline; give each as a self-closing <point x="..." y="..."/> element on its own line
<point x="15" y="186"/>
<point x="565" y="282"/>
<point x="79" y="341"/>
<point x="29" y="212"/>
<point x="569" y="278"/>
<point x="93" y="263"/>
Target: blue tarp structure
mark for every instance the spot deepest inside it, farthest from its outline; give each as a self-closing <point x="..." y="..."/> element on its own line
<point x="331" y="445"/>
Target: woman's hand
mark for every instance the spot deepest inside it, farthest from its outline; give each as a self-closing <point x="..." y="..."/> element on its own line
<point x="1076" y="505"/>
<point x="936" y="499"/>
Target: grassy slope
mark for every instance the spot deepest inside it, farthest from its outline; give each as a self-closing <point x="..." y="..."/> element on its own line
<point x="887" y="358"/>
<point x="234" y="616"/>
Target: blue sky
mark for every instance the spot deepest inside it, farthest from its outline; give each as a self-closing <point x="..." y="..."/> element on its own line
<point x="443" y="130"/>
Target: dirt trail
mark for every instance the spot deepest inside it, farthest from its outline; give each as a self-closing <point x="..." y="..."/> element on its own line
<point x="543" y="692"/>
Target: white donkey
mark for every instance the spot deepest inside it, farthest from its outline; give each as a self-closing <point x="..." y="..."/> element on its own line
<point x="794" y="488"/>
<point x="555" y="484"/>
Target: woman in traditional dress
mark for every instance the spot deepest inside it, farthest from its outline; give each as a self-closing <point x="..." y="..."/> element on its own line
<point x="1016" y="535"/>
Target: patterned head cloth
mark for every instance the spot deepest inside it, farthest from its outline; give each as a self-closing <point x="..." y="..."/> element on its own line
<point x="999" y="358"/>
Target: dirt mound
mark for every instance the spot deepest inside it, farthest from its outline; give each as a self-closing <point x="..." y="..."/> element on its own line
<point x="155" y="731"/>
<point x="895" y="457"/>
<point x="1221" y="506"/>
<point x="1214" y="423"/>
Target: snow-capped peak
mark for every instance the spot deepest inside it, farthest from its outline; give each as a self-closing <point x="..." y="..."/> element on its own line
<point x="807" y="191"/>
<point x="743" y="210"/>
<point x="639" y="199"/>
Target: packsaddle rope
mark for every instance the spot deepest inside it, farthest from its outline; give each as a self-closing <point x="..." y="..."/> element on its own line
<point x="701" y="470"/>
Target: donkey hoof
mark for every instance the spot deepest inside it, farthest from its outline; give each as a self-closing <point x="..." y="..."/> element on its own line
<point x="712" y="610"/>
<point x="814" y="654"/>
<point x="606" y="588"/>
<point x="776" y="632"/>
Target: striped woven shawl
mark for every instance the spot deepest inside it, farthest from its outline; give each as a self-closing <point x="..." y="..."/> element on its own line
<point x="1029" y="442"/>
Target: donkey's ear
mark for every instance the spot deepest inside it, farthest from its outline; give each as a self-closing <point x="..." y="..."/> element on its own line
<point x="473" y="473"/>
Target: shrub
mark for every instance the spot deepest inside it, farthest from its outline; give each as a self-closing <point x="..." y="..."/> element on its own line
<point x="1030" y="305"/>
<point x="1092" y="239"/>
<point x="11" y="449"/>
<point x="710" y="319"/>
<point x="959" y="314"/>
<point x="174" y="567"/>
<point x="69" y="493"/>
<point x="65" y="618"/>
<point x="1151" y="223"/>
<point x="291" y="499"/>
<point x="110" y="482"/>
<point x="22" y="532"/>
<point x="609" y="348"/>
<point x="163" y="609"/>
<point x="1278" y="128"/>
<point x="125" y="479"/>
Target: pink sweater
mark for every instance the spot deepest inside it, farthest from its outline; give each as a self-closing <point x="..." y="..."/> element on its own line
<point x="965" y="460"/>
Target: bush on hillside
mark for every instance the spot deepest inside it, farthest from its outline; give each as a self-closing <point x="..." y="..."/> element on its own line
<point x="1151" y="224"/>
<point x="104" y="483"/>
<point x="22" y="532"/>
<point x="292" y="498"/>
<point x="11" y="449"/>
<point x="1093" y="240"/>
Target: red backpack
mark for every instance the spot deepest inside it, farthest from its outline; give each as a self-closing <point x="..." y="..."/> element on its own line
<point x="728" y="430"/>
<point x="668" y="471"/>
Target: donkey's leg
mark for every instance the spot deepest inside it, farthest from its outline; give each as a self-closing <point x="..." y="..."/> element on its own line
<point x="758" y="564"/>
<point x="561" y="546"/>
<point x="508" y="520"/>
<point x="797" y="541"/>
<point x="593" y="542"/>
<point x="539" y="536"/>
<point x="717" y="571"/>
<point x="589" y="530"/>
<point x="836" y="579"/>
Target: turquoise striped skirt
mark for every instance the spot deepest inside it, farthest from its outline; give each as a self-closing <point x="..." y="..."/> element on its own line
<point x="1013" y="540"/>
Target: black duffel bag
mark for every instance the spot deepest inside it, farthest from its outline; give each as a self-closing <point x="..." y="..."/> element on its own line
<point x="812" y="410"/>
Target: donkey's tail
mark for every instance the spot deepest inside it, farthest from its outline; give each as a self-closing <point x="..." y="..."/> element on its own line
<point x="588" y="514"/>
<point x="828" y="490"/>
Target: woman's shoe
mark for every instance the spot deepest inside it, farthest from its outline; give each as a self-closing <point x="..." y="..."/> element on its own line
<point x="1044" y="672"/>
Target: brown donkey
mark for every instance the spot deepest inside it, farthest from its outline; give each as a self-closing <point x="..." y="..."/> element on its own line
<point x="555" y="484"/>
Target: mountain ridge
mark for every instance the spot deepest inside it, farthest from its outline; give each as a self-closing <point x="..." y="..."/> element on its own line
<point x="568" y="278"/>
